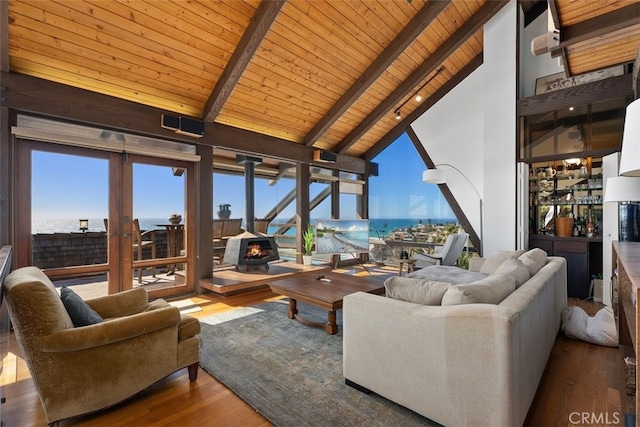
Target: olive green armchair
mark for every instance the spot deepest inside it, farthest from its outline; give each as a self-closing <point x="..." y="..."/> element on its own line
<point x="78" y="370"/>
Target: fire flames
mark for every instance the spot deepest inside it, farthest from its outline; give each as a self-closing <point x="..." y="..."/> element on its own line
<point x="255" y="251"/>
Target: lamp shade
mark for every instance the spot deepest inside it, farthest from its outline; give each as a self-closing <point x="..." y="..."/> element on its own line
<point x="622" y="189"/>
<point x="630" y="157"/>
<point x="434" y="176"/>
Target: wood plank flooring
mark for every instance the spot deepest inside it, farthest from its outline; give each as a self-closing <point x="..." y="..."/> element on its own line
<point x="580" y="378"/>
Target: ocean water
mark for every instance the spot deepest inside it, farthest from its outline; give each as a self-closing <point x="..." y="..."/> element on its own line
<point x="377" y="226"/>
<point x="95" y="224"/>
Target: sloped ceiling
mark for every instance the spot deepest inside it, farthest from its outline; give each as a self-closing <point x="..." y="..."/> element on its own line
<point x="327" y="74"/>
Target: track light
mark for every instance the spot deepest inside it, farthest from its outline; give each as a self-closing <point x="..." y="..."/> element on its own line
<point x="416" y="95"/>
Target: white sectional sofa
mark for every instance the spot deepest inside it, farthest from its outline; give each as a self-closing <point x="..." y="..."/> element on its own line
<point x="466" y="364"/>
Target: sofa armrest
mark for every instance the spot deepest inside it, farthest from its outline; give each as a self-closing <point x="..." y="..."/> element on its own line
<point x="475" y="263"/>
<point x="121" y="304"/>
<point x="108" y="332"/>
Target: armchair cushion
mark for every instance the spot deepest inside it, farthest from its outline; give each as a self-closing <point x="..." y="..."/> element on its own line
<point x="80" y="312"/>
<point x="121" y="304"/>
<point x="419" y="291"/>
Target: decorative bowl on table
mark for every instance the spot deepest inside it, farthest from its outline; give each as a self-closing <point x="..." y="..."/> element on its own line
<point x="175" y="219"/>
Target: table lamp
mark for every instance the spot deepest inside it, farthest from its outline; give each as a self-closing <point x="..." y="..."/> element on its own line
<point x="630" y="157"/>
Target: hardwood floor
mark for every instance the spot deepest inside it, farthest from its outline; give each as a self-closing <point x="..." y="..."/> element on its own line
<point x="580" y="379"/>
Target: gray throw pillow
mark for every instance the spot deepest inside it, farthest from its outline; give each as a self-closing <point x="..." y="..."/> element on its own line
<point x="490" y="290"/>
<point x="516" y="269"/>
<point x="495" y="260"/>
<point x="418" y="291"/>
<point x="79" y="311"/>
<point x="534" y="260"/>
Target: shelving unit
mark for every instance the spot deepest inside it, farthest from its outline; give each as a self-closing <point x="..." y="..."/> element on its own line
<point x="569" y="188"/>
<point x="574" y="191"/>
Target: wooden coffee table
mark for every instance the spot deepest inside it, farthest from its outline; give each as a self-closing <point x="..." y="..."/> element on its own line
<point x="325" y="295"/>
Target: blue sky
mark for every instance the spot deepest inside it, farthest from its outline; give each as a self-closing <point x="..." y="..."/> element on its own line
<point x="66" y="186"/>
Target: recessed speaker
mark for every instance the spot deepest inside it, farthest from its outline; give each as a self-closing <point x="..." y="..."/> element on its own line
<point x="324" y="156"/>
<point x="170" y="122"/>
<point x="191" y="127"/>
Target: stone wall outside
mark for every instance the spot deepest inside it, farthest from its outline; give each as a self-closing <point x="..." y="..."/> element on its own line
<point x="57" y="250"/>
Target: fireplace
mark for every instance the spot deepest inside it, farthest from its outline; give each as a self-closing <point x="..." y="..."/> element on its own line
<point x="250" y="250"/>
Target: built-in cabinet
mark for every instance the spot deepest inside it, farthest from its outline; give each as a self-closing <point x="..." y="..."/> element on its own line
<point x="565" y="217"/>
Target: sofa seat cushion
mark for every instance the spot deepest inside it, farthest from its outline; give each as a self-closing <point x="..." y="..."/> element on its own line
<point x="490" y="290"/>
<point x="534" y="259"/>
<point x="495" y="260"/>
<point x="80" y="312"/>
<point x="447" y="274"/>
<point x="516" y="269"/>
<point x="418" y="291"/>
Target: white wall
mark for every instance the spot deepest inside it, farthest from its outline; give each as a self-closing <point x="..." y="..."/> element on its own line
<point x="610" y="226"/>
<point x="452" y="132"/>
<point x="500" y="85"/>
<point x="474" y="129"/>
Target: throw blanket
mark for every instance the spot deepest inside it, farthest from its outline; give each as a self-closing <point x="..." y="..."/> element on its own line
<point x="448" y="274"/>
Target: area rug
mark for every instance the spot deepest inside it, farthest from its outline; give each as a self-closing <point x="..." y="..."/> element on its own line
<point x="289" y="372"/>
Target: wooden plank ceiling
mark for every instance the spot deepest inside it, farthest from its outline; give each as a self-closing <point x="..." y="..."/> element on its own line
<point x="327" y="74"/>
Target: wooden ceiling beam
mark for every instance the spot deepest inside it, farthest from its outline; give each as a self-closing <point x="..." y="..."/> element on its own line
<point x="401" y="127"/>
<point x="33" y="95"/>
<point x="422" y="20"/>
<point x="486" y="12"/>
<point x="623" y="17"/>
<point x="258" y="27"/>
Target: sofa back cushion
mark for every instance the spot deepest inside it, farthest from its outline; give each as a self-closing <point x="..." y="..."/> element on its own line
<point x="495" y="260"/>
<point x="418" y="291"/>
<point x="490" y="290"/>
<point x="516" y="269"/>
<point x="534" y="259"/>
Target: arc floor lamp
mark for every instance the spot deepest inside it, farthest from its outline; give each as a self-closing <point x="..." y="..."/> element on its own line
<point x="438" y="176"/>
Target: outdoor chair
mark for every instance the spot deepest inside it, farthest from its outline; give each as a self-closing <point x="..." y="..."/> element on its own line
<point x="449" y="254"/>
<point x="261" y="225"/>
<point x="142" y="240"/>
<point x="85" y="356"/>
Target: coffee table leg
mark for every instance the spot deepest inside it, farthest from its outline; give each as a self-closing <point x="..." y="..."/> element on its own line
<point x="293" y="310"/>
<point x="331" y="327"/>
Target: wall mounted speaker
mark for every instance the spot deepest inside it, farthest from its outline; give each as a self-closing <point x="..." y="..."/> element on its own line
<point x="191" y="127"/>
<point x="372" y="168"/>
<point x="324" y="156"/>
<point x="170" y="122"/>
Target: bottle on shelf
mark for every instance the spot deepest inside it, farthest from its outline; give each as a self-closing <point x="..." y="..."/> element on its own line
<point x="590" y="227"/>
